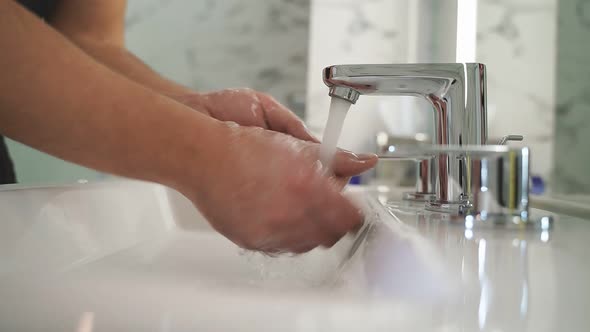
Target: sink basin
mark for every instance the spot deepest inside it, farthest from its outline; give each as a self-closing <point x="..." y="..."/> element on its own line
<point x="134" y="256"/>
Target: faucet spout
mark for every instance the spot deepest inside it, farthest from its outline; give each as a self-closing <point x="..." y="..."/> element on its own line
<point x="346" y="93"/>
<point x="456" y="91"/>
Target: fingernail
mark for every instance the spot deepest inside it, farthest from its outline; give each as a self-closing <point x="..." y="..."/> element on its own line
<point x="366" y="156"/>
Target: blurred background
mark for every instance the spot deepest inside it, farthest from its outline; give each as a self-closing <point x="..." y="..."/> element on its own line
<point x="537" y="54"/>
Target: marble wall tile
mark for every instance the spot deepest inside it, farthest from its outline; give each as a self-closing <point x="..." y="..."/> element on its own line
<point x="572" y="152"/>
<point x="516" y="40"/>
<point x="210" y="45"/>
<point x="353" y="32"/>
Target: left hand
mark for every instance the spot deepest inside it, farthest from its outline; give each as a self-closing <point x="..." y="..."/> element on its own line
<point x="247" y="107"/>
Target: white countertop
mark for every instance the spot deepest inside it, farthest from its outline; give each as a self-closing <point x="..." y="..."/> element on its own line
<point x="112" y="257"/>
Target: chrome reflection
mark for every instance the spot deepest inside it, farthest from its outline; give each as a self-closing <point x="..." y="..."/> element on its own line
<point x="495" y="277"/>
<point x="86" y="322"/>
<point x="491" y="263"/>
<point x="457" y="94"/>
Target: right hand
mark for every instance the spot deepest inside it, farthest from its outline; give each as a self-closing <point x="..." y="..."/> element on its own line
<point x="247" y="107"/>
<point x="266" y="191"/>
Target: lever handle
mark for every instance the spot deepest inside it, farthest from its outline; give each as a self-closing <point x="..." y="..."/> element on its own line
<point x="517" y="138"/>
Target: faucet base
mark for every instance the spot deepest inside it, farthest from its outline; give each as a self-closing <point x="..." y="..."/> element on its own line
<point x="419" y="197"/>
<point x="452" y="208"/>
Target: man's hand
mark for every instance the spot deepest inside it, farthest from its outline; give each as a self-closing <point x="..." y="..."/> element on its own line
<point x="247" y="107"/>
<point x="266" y="191"/>
<point x="260" y="188"/>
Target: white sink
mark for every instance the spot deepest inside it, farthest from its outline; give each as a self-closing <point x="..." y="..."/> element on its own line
<point x="132" y="256"/>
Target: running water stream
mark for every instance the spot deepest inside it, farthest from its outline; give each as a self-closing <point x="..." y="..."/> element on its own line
<point x="338" y="109"/>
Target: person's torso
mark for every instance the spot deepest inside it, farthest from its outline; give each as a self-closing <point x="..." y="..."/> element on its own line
<point x="41" y="8"/>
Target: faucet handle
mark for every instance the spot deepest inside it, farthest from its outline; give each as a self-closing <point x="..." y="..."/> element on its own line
<point x="505" y="139"/>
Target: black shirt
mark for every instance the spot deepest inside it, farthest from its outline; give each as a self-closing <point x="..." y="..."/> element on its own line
<point x="43" y="9"/>
<point x="6" y="168"/>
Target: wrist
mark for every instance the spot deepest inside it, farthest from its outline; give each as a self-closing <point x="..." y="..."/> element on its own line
<point x="196" y="153"/>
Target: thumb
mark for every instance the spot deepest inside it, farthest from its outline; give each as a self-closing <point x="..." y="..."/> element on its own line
<point x="347" y="164"/>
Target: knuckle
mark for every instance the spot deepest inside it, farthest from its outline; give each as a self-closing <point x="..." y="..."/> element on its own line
<point x="311" y="150"/>
<point x="251" y="93"/>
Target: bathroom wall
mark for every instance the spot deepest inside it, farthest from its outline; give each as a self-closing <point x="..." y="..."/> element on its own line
<point x="205" y="45"/>
<point x="572" y="122"/>
<point x="516" y="39"/>
<point x="210" y="45"/>
<point x="352" y="32"/>
<point x="36" y="168"/>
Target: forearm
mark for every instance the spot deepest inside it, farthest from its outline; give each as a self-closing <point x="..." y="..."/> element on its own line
<point x="97" y="27"/>
<point x="121" y="60"/>
<point x="56" y="98"/>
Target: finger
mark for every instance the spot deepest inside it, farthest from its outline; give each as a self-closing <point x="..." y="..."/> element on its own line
<point x="303" y="247"/>
<point x="313" y="232"/>
<point x="315" y="236"/>
<point x="302" y="239"/>
<point x="335" y="214"/>
<point x="325" y="219"/>
<point x="341" y="182"/>
<point x="340" y="221"/>
<point x="338" y="183"/>
<point x="198" y="102"/>
<point x="325" y="234"/>
<point x="347" y="164"/>
<point x="319" y="223"/>
<point x="331" y="233"/>
<point x="281" y="119"/>
<point x="332" y="242"/>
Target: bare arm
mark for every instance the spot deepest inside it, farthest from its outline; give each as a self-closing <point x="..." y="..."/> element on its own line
<point x="59" y="100"/>
<point x="97" y="26"/>
<point x="261" y="189"/>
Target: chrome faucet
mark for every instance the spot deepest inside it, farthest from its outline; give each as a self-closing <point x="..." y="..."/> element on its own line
<point x="457" y="93"/>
